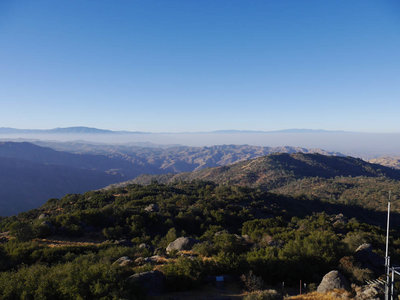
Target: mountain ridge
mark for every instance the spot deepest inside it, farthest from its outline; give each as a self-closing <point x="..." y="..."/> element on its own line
<point x="273" y="169"/>
<point x="93" y="130"/>
<point x="66" y="130"/>
<point x="388" y="161"/>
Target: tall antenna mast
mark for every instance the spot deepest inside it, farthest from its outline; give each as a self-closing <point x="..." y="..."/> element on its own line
<point x="387" y="258"/>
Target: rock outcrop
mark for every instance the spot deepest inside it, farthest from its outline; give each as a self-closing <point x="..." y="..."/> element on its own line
<point x="369" y="259"/>
<point x="152" y="207"/>
<point x="181" y="243"/>
<point x="43" y="216"/>
<point x="124" y="261"/>
<point x="370" y="292"/>
<point x="123" y="242"/>
<point x="333" y="280"/>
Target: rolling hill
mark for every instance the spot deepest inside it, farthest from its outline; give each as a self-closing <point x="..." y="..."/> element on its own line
<point x="277" y="169"/>
<point x="179" y="158"/>
<point x="334" y="179"/>
<point x="40" y="173"/>
<point x="388" y="161"/>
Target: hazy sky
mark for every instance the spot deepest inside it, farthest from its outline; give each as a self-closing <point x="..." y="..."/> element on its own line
<point x="200" y="65"/>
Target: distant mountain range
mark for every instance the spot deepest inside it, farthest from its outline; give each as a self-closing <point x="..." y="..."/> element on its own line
<point x="66" y="130"/>
<point x="176" y="158"/>
<point x="90" y="130"/>
<point x="357" y="144"/>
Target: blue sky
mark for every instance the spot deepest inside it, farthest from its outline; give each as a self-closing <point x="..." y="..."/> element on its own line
<point x="200" y="65"/>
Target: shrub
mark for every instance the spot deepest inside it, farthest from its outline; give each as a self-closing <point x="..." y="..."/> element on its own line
<point x="22" y="231"/>
<point x="84" y="278"/>
<point x="354" y="271"/>
<point x="184" y="274"/>
<point x="263" y="295"/>
<point x="252" y="282"/>
<point x="204" y="249"/>
<point x="353" y="240"/>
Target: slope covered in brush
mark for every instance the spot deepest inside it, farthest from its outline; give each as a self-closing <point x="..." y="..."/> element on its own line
<point x="69" y="248"/>
<point x="276" y="169"/>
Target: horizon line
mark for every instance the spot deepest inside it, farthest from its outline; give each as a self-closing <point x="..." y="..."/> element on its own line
<point x="217" y="131"/>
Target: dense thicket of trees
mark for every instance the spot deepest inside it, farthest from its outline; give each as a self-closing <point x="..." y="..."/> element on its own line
<point x="239" y="229"/>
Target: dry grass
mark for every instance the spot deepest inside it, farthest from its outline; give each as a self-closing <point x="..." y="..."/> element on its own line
<point x="65" y="243"/>
<point x="332" y="295"/>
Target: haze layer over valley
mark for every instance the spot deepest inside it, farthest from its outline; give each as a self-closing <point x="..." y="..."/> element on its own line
<point x="358" y="144"/>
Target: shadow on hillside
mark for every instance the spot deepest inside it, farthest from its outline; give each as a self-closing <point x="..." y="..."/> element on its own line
<point x="302" y="206"/>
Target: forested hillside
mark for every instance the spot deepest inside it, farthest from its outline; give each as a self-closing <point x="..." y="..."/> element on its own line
<point x="277" y="169"/>
<point x="335" y="179"/>
<point x="69" y="247"/>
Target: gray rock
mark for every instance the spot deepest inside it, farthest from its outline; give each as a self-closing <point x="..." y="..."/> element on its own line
<point x="333" y="280"/>
<point x="339" y="224"/>
<point x="239" y="238"/>
<point x="43" y="216"/>
<point x="340" y="217"/>
<point x="370" y="292"/>
<point x="140" y="261"/>
<point x="143" y="246"/>
<point x="123" y="242"/>
<point x="181" y="243"/>
<point x="152" y="282"/>
<point x="156" y="259"/>
<point x="221" y="232"/>
<point x="339" y="221"/>
<point x="246" y="238"/>
<point x="124" y="261"/>
<point x="152" y="208"/>
<point x="369" y="259"/>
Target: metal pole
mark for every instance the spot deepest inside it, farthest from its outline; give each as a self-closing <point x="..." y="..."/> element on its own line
<point x="300" y="286"/>
<point x="387" y="252"/>
<point x="392" y="286"/>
